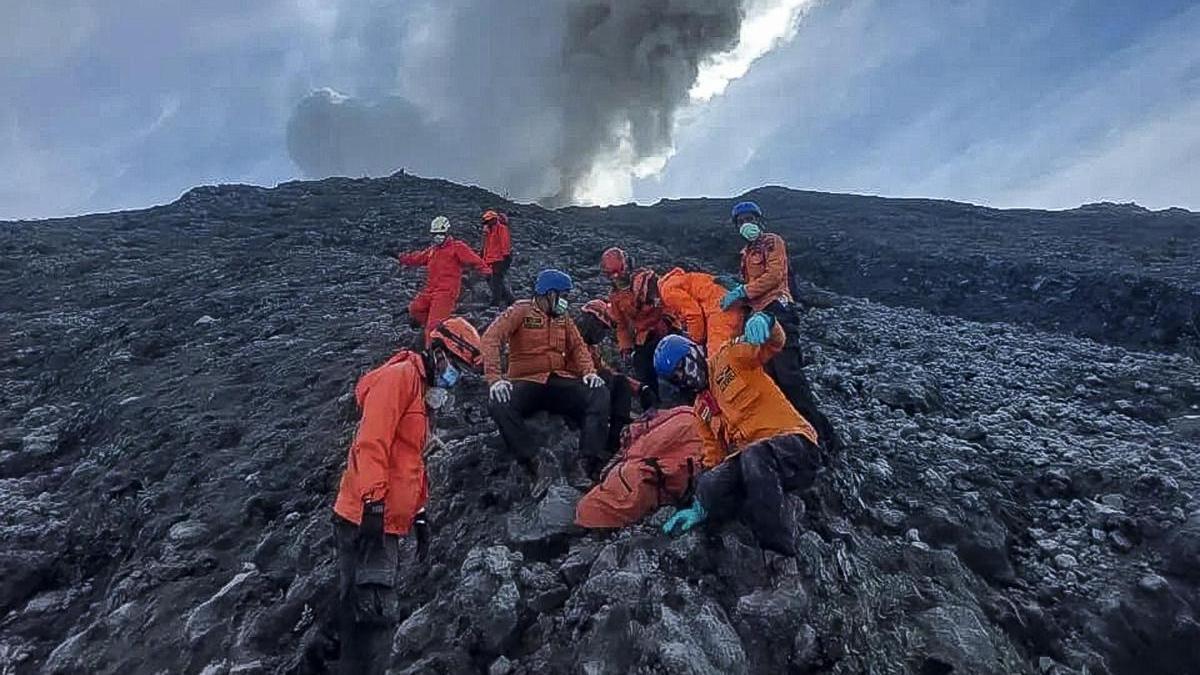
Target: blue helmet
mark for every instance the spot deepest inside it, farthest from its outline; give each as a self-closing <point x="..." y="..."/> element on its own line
<point x="552" y="280"/>
<point x="669" y="352"/>
<point x="742" y="208"/>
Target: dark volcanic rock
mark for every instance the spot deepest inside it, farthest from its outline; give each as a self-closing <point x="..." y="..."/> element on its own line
<point x="177" y="388"/>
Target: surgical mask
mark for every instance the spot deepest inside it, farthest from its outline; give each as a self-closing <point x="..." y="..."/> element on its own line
<point x="749" y="231"/>
<point x="560" y="306"/>
<point x="448" y="377"/>
<point x="437" y="398"/>
<point x="439" y="239"/>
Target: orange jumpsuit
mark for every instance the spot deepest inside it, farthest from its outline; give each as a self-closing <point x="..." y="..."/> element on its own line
<point x="443" y="280"/>
<point x="693" y="301"/>
<point x="385" y="460"/>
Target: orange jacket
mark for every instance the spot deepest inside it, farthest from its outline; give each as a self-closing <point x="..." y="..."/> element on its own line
<point x="497" y="242"/>
<point x="693" y="301"/>
<point x="742" y="405"/>
<point x="765" y="270"/>
<point x="538" y="345"/>
<point x="658" y="461"/>
<point x="385" y="460"/>
<point x="633" y="324"/>
<point x="444" y="265"/>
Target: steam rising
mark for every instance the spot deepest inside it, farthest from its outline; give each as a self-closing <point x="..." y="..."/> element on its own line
<point x="563" y="102"/>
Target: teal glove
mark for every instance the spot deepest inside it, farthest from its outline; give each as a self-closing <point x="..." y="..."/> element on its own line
<point x="738" y="293"/>
<point x="758" y="328"/>
<point x="685" y="519"/>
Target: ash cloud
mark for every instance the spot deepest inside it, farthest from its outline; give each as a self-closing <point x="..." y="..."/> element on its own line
<point x="524" y="98"/>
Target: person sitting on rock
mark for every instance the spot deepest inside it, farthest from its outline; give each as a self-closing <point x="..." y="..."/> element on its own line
<point x="550" y="369"/>
<point x="692" y="302"/>
<point x="756" y="446"/>
<point x="497" y="252"/>
<point x="444" y="262"/>
<point x="595" y="323"/>
<point x="637" y="315"/>
<point x="383" y="489"/>
<point x="764" y="288"/>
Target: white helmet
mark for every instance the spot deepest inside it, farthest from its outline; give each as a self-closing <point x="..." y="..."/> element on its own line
<point x="440" y="225"/>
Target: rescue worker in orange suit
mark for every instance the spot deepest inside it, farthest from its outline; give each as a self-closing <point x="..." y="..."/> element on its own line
<point x="497" y="253"/>
<point x="595" y="323"/>
<point x="638" y="316"/>
<point x="755" y="445"/>
<point x="692" y="301"/>
<point x="383" y="489"/>
<point x="550" y="369"/>
<point x="443" y="262"/>
<point x="765" y="288"/>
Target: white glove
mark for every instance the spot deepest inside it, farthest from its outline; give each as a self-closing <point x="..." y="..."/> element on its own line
<point x="500" y="391"/>
<point x="593" y="381"/>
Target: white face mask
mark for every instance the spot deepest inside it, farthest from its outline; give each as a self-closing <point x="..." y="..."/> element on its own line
<point x="439" y="239"/>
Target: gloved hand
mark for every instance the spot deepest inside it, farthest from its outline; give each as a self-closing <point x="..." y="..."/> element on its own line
<point x="758" y="328"/>
<point x="421" y="532"/>
<point x="685" y="519"/>
<point x="738" y="293"/>
<point x="370" y="529"/>
<point x="501" y="391"/>
<point x="593" y="381"/>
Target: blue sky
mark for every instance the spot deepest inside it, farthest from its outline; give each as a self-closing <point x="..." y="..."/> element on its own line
<point x="1008" y="103"/>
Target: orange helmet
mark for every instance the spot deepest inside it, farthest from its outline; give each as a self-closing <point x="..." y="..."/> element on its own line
<point x="615" y="262"/>
<point x="599" y="309"/>
<point x="460" y="339"/>
<point x="488" y="216"/>
<point x="645" y="287"/>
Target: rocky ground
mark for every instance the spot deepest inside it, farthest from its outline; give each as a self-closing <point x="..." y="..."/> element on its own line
<point x="176" y="387"/>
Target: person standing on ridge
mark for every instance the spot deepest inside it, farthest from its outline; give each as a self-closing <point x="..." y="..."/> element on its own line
<point x="497" y="252"/>
<point x="638" y="316"/>
<point x="755" y="445"/>
<point x="383" y="490"/>
<point x="765" y="288"/>
<point x="550" y="369"/>
<point x="443" y="262"/>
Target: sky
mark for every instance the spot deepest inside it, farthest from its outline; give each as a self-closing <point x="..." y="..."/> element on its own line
<point x="1008" y="103"/>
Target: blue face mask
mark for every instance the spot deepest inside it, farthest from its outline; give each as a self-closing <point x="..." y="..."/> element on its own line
<point x="448" y="377"/>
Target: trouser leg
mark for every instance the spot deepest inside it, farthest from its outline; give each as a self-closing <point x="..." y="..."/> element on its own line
<point x="418" y="310"/>
<point x="441" y="306"/>
<point x="502" y="295"/>
<point x="720" y="490"/>
<point x="786" y="369"/>
<point x="643" y="369"/>
<point x="620" y="409"/>
<point x="588" y="407"/>
<point x="368" y="606"/>
<point x="510" y="419"/>
<point x="769" y="468"/>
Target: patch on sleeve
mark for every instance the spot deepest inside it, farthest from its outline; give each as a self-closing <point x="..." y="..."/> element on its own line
<point x="725" y="377"/>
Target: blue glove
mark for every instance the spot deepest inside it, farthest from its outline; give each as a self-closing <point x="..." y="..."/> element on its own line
<point x="758" y="328"/>
<point x="738" y="293"/>
<point x="685" y="519"/>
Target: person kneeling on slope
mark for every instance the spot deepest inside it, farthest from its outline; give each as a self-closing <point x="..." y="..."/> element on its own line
<point x="550" y="369"/>
<point x="383" y="489"/>
<point x="756" y="446"/>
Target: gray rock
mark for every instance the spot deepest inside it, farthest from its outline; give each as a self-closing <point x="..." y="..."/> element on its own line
<point x="501" y="666"/>
<point x="1113" y="501"/>
<point x="1065" y="561"/>
<point x="188" y="533"/>
<point x="553" y="516"/>
<point x="955" y="637"/>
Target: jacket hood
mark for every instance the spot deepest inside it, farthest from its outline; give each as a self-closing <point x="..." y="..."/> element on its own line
<point x="401" y="357"/>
